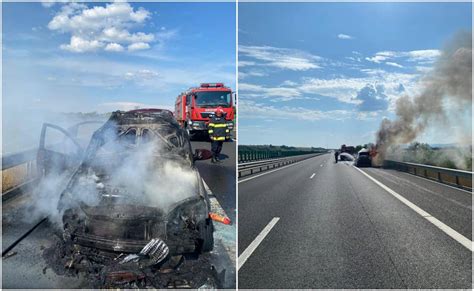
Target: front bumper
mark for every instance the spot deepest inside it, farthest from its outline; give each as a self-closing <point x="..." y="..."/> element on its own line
<point x="197" y="125"/>
<point x="201" y="125"/>
<point x="185" y="245"/>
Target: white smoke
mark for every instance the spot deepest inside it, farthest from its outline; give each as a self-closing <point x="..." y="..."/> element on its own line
<point x="144" y="175"/>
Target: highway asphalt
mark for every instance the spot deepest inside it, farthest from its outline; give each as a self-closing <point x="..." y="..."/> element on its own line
<point x="220" y="177"/>
<point x="333" y="227"/>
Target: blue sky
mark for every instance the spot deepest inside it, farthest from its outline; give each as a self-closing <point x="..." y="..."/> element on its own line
<point x="324" y="74"/>
<point x="103" y="57"/>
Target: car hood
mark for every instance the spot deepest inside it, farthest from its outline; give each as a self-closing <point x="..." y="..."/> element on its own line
<point x="122" y="212"/>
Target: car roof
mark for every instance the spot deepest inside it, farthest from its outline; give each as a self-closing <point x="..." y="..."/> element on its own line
<point x="149" y="110"/>
<point x="144" y="116"/>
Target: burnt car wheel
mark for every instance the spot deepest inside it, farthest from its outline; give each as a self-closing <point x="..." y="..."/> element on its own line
<point x="206" y="234"/>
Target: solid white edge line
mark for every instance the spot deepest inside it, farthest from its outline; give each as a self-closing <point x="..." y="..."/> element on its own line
<point x="446" y="229"/>
<point x="256" y="242"/>
<point x="217" y="207"/>
<point x="312" y="176"/>
<point x="213" y="199"/>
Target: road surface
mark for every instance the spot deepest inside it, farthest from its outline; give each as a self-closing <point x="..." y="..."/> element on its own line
<point x="220" y="177"/>
<point x="318" y="224"/>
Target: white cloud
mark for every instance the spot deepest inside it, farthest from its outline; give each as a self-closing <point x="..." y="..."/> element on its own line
<point x="420" y="56"/>
<point x="114" y="34"/>
<point x="114" y="47"/>
<point x="346" y="89"/>
<point x="243" y="75"/>
<point x="393" y="64"/>
<point x="102" y="27"/>
<point x="88" y="71"/>
<point x="281" y="58"/>
<point x="246" y="63"/>
<point x="252" y="109"/>
<point x="49" y="4"/>
<point x="289" y="83"/>
<point x="343" y="89"/>
<point x="373" y="98"/>
<point x="377" y="59"/>
<point x="355" y="59"/>
<point x="143" y="74"/>
<point x="344" y="36"/>
<point x="423" y="69"/>
<point x="424" y="55"/>
<point x="282" y="93"/>
<point x="138" y="46"/>
<point x="367" y="115"/>
<point x="80" y="45"/>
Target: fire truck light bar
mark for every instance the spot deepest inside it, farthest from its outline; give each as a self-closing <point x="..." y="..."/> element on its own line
<point x="215" y="85"/>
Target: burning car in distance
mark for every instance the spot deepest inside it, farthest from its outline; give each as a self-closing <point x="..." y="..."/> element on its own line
<point x="135" y="194"/>
<point x="364" y="158"/>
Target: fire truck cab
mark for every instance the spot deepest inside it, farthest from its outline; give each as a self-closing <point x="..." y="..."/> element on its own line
<point x="194" y="107"/>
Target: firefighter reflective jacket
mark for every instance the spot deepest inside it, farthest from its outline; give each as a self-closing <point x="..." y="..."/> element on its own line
<point x="217" y="129"/>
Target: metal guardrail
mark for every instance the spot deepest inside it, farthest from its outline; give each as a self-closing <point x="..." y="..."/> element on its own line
<point x="250" y="168"/>
<point x="251" y="155"/>
<point x="458" y="178"/>
<point x="18" y="173"/>
<point x="12" y="160"/>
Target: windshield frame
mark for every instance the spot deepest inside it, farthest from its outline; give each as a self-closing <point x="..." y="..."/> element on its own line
<point x="216" y="94"/>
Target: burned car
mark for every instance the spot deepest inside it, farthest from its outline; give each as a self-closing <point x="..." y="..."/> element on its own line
<point x="135" y="194"/>
<point x="125" y="222"/>
<point x="363" y="158"/>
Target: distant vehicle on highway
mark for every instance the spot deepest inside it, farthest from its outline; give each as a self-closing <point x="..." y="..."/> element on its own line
<point x="108" y="211"/>
<point x="347" y="149"/>
<point x="346" y="157"/>
<point x="194" y="107"/>
<point x="363" y="158"/>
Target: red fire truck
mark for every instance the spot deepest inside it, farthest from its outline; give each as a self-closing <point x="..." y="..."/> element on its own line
<point x="194" y="106"/>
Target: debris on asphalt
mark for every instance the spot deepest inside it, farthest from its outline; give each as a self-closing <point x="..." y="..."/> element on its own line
<point x="104" y="269"/>
<point x="10" y="254"/>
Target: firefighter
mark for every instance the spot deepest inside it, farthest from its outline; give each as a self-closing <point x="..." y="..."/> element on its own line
<point x="336" y="155"/>
<point x="218" y="133"/>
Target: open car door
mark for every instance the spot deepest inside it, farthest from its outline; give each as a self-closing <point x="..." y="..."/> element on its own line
<point x="58" y="151"/>
<point x="82" y="132"/>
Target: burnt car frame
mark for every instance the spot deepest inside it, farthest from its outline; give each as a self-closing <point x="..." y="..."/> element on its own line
<point x="127" y="227"/>
<point x="363" y="158"/>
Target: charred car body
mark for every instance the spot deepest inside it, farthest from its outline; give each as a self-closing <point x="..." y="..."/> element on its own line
<point x="363" y="158"/>
<point x="109" y="217"/>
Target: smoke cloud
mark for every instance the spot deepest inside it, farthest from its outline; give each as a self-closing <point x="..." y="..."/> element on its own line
<point x="446" y="94"/>
<point x="119" y="173"/>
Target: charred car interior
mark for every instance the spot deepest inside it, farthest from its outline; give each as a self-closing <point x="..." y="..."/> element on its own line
<point x="134" y="211"/>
